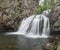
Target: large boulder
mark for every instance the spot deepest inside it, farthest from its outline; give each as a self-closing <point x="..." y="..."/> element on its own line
<point x="54" y="16"/>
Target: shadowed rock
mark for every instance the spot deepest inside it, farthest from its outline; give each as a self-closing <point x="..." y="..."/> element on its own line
<point x="54" y="16"/>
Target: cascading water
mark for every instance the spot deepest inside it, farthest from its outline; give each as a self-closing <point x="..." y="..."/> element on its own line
<point x="35" y="26"/>
<point x="46" y="12"/>
<point x="33" y="32"/>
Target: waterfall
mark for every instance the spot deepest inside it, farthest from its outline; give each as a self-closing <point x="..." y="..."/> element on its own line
<point x="41" y="2"/>
<point x="35" y="26"/>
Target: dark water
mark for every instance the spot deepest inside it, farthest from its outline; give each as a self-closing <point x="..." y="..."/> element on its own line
<point x="8" y="42"/>
<point x="18" y="42"/>
<point x="30" y="44"/>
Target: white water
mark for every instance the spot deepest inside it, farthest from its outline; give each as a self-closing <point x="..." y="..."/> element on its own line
<point x="35" y="26"/>
<point x="41" y="2"/>
<point x="46" y="12"/>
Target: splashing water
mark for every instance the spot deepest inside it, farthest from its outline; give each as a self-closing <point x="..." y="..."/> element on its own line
<point x="35" y="26"/>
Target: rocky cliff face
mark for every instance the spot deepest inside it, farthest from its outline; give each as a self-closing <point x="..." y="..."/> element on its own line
<point x="12" y="11"/>
<point x="9" y="15"/>
<point x="8" y="23"/>
<point x="28" y="7"/>
<point x="55" y="17"/>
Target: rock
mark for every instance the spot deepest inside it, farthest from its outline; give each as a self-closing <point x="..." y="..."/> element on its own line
<point x="13" y="11"/>
<point x="57" y="23"/>
<point x="54" y="16"/>
<point x="49" y="46"/>
<point x="8" y="23"/>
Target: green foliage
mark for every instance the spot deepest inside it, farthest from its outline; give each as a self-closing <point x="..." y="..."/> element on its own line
<point x="58" y="48"/>
<point x="40" y="9"/>
<point x="47" y="5"/>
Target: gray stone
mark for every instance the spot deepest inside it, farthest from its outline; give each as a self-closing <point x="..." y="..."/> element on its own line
<point x="54" y="16"/>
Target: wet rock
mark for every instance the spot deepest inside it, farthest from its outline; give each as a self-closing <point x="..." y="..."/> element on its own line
<point x="52" y="44"/>
<point x="49" y="46"/>
<point x="8" y="42"/>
